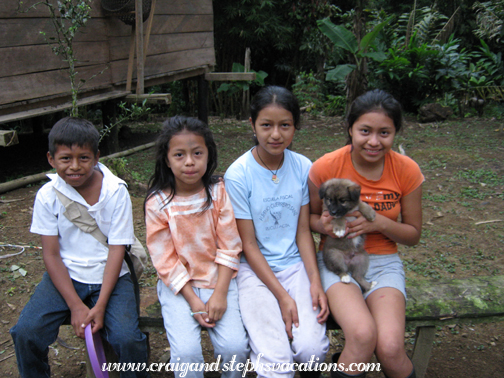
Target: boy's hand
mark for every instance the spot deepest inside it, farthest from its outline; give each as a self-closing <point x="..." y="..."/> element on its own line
<point x="95" y="317"/>
<point x="79" y="316"/>
<point x="216" y="306"/>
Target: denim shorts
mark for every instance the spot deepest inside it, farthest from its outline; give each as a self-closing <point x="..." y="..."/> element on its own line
<point x="386" y="270"/>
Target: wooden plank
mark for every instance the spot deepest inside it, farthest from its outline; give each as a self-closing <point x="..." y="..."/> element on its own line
<point x="162" y="65"/>
<point x="166" y="24"/>
<point x="455" y="298"/>
<point x="30" y="86"/>
<point x="230" y="76"/>
<point x="185" y="7"/>
<point x="57" y="108"/>
<point x="8" y="138"/>
<point x="162" y="44"/>
<point x="9" y="9"/>
<point x="41" y="58"/>
<point x="26" y="31"/>
<point x="152" y="98"/>
<point x="423" y="349"/>
<point x="175" y="75"/>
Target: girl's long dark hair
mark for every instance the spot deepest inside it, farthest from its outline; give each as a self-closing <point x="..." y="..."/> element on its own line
<point x="163" y="177"/>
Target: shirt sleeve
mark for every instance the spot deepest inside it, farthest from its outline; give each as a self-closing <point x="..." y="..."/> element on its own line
<point x="317" y="171"/>
<point x="44" y="221"/>
<point x="238" y="193"/>
<point x="410" y="176"/>
<point x="161" y="248"/>
<point x="121" y="231"/>
<point x="229" y="244"/>
<point x="306" y="191"/>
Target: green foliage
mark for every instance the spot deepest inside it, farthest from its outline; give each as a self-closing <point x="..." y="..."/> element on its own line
<point x="346" y="40"/>
<point x="489" y="19"/>
<point x="67" y="17"/>
<point x="335" y="105"/>
<point x="282" y="34"/>
<point x="233" y="90"/>
<point x="309" y="91"/>
<point x="129" y="112"/>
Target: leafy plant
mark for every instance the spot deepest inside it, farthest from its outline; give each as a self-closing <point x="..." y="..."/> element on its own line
<point x="232" y="89"/>
<point x="67" y="17"/>
<point x="308" y="90"/>
<point x="128" y="113"/>
<point x="359" y="52"/>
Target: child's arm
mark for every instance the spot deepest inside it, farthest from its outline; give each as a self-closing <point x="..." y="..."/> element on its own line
<point x="198" y="308"/>
<point x="306" y="247"/>
<point x="227" y="255"/>
<point x="319" y="221"/>
<point x="63" y="283"/>
<point x="260" y="266"/>
<point x="217" y="304"/>
<point x="110" y="276"/>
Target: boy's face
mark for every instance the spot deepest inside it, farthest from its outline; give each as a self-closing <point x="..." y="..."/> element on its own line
<point x="74" y="165"/>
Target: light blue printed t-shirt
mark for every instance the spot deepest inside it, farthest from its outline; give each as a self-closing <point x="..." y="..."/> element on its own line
<point x="274" y="208"/>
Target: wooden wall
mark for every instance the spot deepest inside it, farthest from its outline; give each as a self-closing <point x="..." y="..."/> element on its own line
<point x="181" y="43"/>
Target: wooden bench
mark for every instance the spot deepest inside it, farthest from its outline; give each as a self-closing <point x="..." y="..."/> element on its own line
<point x="430" y="303"/>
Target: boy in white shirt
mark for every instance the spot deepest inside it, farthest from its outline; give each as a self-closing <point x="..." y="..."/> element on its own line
<point x="84" y="278"/>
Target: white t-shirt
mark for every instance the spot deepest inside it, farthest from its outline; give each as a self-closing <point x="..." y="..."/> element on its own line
<point x="274" y="208"/>
<point x="83" y="255"/>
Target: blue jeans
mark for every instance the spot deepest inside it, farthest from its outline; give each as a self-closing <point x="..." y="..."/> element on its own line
<point x="39" y="323"/>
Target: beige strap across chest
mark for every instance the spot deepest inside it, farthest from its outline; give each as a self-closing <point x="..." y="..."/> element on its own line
<point x="78" y="214"/>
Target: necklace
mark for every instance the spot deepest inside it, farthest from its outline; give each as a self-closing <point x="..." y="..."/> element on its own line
<point x="274" y="178"/>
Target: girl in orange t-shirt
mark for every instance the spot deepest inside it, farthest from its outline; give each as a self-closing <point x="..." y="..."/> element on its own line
<point x="392" y="184"/>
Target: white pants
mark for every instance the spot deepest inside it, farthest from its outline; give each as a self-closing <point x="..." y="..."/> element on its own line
<point x="263" y="320"/>
<point x="229" y="337"/>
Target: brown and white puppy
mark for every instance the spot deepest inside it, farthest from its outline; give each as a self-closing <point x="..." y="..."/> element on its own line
<point x="343" y="255"/>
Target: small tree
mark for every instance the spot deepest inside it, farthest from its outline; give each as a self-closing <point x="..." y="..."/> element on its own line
<point x="355" y="73"/>
<point x="67" y="17"/>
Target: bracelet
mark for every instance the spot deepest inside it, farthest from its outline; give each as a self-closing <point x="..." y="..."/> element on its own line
<point x="198" y="312"/>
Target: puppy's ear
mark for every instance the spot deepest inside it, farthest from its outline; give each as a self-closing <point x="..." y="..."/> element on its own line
<point x="322" y="190"/>
<point x="354" y="192"/>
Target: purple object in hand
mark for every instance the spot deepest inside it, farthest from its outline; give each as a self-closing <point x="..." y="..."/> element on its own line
<point x="96" y="353"/>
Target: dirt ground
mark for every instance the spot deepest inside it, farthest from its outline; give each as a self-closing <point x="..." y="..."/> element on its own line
<point x="463" y="166"/>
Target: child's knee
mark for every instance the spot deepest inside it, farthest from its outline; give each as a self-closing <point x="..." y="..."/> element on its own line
<point x="238" y="347"/>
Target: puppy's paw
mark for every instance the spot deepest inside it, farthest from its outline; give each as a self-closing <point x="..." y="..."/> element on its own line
<point x="339" y="233"/>
<point x="373" y="284"/>
<point x="345" y="278"/>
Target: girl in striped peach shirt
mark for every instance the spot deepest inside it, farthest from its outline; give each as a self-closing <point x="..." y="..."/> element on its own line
<point x="194" y="245"/>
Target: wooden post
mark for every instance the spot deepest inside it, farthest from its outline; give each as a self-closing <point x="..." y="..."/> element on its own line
<point x="423" y="348"/>
<point x="149" y="28"/>
<point x="110" y="143"/>
<point x="139" y="45"/>
<point x="202" y="99"/>
<point x="246" y="93"/>
<point x="131" y="61"/>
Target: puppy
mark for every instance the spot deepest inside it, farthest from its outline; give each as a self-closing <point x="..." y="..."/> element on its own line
<point x="343" y="255"/>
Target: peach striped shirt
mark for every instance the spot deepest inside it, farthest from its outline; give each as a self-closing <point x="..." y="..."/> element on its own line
<point x="186" y="244"/>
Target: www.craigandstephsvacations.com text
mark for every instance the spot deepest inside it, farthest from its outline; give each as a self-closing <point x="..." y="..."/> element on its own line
<point x="184" y="367"/>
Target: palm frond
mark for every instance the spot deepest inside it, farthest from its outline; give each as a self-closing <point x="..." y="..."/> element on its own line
<point x="447" y="28"/>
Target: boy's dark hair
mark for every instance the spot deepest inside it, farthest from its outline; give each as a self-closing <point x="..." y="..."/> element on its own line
<point x="376" y="100"/>
<point x="163" y="177"/>
<point x="275" y="95"/>
<point x="69" y="131"/>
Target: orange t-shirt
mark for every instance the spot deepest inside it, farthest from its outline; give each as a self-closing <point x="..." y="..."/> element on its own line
<point x="401" y="176"/>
